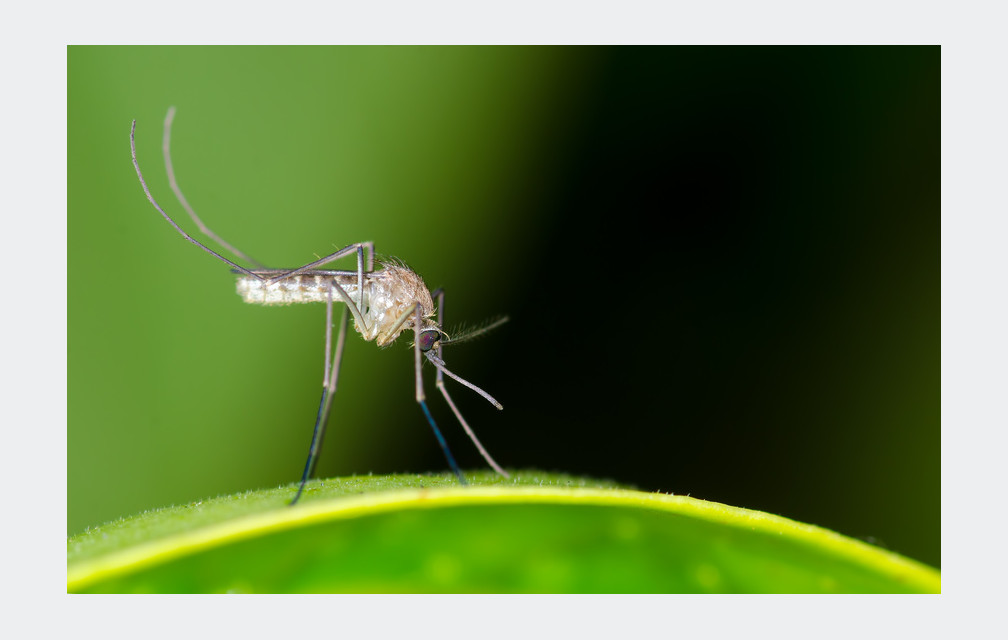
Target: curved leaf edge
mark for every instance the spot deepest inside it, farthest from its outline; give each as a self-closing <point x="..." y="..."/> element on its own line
<point x="86" y="572"/>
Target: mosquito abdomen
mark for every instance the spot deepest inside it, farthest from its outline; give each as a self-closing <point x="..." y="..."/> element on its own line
<point x="296" y="289"/>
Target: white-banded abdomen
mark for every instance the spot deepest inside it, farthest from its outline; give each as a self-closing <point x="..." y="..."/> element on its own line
<point x="296" y="289"/>
<point x="389" y="294"/>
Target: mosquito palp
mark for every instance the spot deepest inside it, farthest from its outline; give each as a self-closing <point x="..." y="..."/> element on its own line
<point x="383" y="304"/>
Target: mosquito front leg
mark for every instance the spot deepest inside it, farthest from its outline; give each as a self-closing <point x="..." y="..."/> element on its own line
<point x="439" y="382"/>
<point x="421" y="398"/>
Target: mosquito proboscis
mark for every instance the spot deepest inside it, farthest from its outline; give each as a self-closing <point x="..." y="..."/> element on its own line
<point x="383" y="302"/>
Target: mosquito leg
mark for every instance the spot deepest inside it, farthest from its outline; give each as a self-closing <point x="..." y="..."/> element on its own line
<point x="345" y="251"/>
<point x="421" y="398"/>
<point x="330" y="378"/>
<point x="439" y="382"/>
<point x="170" y="170"/>
<point x="319" y="430"/>
<point x="360" y="276"/>
<point x="136" y="165"/>
<point x="368" y="246"/>
<point x="333" y="379"/>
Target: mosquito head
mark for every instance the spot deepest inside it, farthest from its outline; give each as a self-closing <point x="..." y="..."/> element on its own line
<point x="429" y="338"/>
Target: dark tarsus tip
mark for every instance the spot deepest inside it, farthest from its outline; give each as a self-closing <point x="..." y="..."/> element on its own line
<point x="444" y="445"/>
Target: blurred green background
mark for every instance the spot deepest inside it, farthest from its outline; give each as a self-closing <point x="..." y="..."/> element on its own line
<point x="721" y="265"/>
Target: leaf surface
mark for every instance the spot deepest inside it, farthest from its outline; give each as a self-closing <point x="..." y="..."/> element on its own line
<point x="537" y="532"/>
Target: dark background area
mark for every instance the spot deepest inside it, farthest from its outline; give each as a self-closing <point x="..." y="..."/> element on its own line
<point x="736" y="295"/>
<point x="721" y="266"/>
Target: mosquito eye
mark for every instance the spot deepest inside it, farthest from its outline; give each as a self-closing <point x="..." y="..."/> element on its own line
<point x="428" y="338"/>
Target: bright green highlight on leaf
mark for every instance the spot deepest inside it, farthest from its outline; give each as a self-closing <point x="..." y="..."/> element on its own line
<point x="537" y="532"/>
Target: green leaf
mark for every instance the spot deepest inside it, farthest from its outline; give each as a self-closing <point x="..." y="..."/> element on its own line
<point x="535" y="532"/>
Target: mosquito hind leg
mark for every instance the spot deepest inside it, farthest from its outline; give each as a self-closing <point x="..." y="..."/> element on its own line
<point x="439" y="383"/>
<point x="363" y="265"/>
<point x="143" y="183"/>
<point x="170" y="170"/>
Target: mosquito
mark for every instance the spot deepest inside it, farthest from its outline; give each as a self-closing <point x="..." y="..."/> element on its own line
<point x="384" y="303"/>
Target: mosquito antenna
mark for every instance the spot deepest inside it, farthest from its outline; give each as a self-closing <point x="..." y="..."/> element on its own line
<point x="136" y="165"/>
<point x="475" y="333"/>
<point x="170" y="170"/>
<point x="439" y="363"/>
